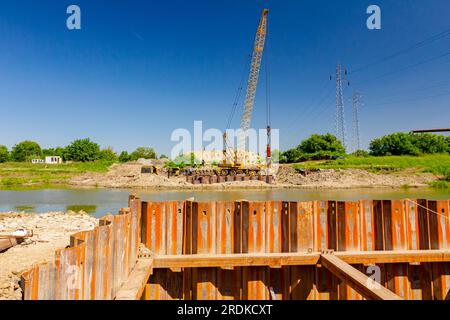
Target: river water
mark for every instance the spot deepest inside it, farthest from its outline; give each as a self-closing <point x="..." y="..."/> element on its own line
<point x="98" y="202"/>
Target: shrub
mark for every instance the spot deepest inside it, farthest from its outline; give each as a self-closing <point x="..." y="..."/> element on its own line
<point x="276" y="156"/>
<point x="58" y="151"/>
<point x="395" y="144"/>
<point x="26" y="150"/>
<point x="316" y="147"/>
<point x="83" y="150"/>
<point x="291" y="156"/>
<point x="448" y="143"/>
<point x="409" y="144"/>
<point x="430" y="143"/>
<point x="108" y="154"/>
<point x="322" y="143"/>
<point x="4" y="154"/>
<point x="360" y="153"/>
<point x="124" y="156"/>
<point x="142" y="152"/>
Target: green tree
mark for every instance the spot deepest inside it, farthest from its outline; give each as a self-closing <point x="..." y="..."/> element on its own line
<point x="321" y="143"/>
<point x="83" y="150"/>
<point x="124" y="156"/>
<point x="25" y="151"/>
<point x="108" y="154"/>
<point x="429" y="143"/>
<point x="291" y="156"/>
<point x="163" y="156"/>
<point x="360" y="153"/>
<point x="395" y="144"/>
<point x="143" y="152"/>
<point x="276" y="156"/>
<point x="58" y="151"/>
<point x="448" y="143"/>
<point x="4" y="154"/>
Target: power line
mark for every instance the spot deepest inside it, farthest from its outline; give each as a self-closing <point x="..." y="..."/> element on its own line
<point x="436" y="84"/>
<point x="407" y="67"/>
<point x="413" y="99"/>
<point x="420" y="44"/>
<point x="312" y="105"/>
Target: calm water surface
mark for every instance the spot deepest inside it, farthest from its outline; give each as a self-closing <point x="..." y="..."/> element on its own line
<point x="101" y="201"/>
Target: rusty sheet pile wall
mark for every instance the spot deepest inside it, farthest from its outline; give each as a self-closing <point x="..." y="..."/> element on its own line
<point x="175" y="228"/>
<point x="96" y="263"/>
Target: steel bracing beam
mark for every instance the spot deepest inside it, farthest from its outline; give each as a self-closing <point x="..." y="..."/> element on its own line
<point x="360" y="282"/>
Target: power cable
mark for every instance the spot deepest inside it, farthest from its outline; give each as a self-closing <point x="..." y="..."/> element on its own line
<point x="420" y="44"/>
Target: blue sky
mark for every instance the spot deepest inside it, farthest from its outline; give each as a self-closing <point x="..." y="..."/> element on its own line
<point x="140" y="69"/>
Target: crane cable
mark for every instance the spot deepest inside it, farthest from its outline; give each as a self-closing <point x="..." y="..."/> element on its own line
<point x="267" y="67"/>
<point x="238" y="93"/>
<point x="432" y="211"/>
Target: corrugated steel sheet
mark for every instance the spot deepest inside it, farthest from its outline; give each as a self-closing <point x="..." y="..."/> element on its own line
<point x="94" y="266"/>
<point x="278" y="226"/>
<point x="99" y="261"/>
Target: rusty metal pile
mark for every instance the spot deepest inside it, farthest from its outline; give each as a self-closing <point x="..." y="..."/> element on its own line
<point x="237" y="245"/>
<point x="318" y="250"/>
<point x="95" y="265"/>
<point x="211" y="179"/>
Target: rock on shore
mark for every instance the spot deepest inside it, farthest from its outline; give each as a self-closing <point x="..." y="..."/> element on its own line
<point x="51" y="231"/>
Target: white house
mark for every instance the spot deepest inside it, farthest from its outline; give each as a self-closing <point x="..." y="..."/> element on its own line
<point x="37" y="161"/>
<point x="53" y="160"/>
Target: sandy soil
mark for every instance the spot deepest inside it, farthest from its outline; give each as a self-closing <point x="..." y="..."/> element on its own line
<point x="129" y="176"/>
<point x="351" y="178"/>
<point x="51" y="231"/>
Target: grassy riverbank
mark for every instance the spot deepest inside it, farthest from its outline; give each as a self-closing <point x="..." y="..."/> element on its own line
<point x="435" y="164"/>
<point x="20" y="174"/>
<point x="366" y="171"/>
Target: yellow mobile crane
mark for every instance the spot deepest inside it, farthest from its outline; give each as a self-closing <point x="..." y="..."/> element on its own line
<point x="231" y="165"/>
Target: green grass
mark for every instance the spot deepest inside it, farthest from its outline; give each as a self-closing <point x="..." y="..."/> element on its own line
<point x="20" y="174"/>
<point x="436" y="164"/>
<point x="82" y="207"/>
<point x="24" y="208"/>
<point x="440" y="184"/>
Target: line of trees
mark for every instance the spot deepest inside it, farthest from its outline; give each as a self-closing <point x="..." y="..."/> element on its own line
<point x="81" y="150"/>
<point x="327" y="146"/>
<point x="316" y="147"/>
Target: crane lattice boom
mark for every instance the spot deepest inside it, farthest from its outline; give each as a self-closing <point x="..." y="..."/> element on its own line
<point x="252" y="83"/>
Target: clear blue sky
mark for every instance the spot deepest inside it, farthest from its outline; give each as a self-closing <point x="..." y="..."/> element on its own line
<point x="139" y="69"/>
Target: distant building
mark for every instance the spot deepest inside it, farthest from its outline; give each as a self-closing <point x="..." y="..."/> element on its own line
<point x="53" y="160"/>
<point x="37" y="161"/>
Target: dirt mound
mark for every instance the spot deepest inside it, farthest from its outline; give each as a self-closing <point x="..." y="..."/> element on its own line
<point x="351" y="178"/>
<point x="127" y="175"/>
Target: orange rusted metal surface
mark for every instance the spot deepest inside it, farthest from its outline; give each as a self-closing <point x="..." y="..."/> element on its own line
<point x="276" y="227"/>
<point x="99" y="261"/>
<point x="95" y="264"/>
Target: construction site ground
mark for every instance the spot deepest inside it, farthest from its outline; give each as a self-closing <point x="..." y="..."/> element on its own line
<point x="129" y="176"/>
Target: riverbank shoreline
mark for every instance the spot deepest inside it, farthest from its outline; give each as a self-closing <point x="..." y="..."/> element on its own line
<point x="129" y="176"/>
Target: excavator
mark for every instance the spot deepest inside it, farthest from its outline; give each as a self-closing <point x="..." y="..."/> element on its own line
<point x="231" y="164"/>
